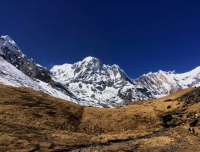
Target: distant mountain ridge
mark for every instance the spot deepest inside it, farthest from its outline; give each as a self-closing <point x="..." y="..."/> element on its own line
<point x="163" y="83"/>
<point x="88" y="82"/>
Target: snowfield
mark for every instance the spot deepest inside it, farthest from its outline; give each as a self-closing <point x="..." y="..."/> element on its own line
<point x="10" y="75"/>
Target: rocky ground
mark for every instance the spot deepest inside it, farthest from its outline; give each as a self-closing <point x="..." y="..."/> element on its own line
<point x="34" y="121"/>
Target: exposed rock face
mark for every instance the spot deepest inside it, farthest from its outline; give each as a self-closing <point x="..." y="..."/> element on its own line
<point x="194" y="123"/>
<point x="191" y="97"/>
<point x="92" y="83"/>
<point x="99" y="84"/>
<point x="163" y="83"/>
<point x="10" y="75"/>
<point x="155" y="83"/>
<point x="167" y="120"/>
<point x="11" y="53"/>
<point x="89" y="82"/>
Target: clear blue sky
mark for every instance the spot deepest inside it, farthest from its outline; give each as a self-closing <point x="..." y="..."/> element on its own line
<point x="138" y="35"/>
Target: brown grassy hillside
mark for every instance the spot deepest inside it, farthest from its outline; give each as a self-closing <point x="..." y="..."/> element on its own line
<point x="34" y="121"/>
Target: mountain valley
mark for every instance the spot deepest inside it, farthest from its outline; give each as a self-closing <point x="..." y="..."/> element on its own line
<point x="90" y="106"/>
<point x="34" y="121"/>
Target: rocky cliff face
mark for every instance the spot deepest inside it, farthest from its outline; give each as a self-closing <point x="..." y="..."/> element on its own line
<point x="163" y="83"/>
<point x="99" y="84"/>
<point x="89" y="82"/>
<point x="11" y="53"/>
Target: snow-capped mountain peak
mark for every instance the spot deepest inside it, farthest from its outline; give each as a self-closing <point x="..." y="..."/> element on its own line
<point x="163" y="83"/>
<point x="89" y="59"/>
<point x="88" y="82"/>
<point x="97" y="83"/>
<point x="10" y="52"/>
<point x="6" y="41"/>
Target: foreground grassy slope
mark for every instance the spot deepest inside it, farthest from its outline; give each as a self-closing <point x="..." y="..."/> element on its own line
<point x="34" y="121"/>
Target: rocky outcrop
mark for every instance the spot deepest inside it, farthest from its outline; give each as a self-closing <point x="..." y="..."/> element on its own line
<point x="11" y="53"/>
<point x="193" y="123"/>
<point x="168" y="120"/>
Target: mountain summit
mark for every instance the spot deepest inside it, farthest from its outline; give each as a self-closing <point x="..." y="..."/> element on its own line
<point x="11" y="53"/>
<point x="88" y="82"/>
<point x="98" y="83"/>
<point x="163" y="83"/>
<point x="19" y="70"/>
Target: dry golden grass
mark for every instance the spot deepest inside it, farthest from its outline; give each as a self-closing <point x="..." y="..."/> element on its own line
<point x="32" y="121"/>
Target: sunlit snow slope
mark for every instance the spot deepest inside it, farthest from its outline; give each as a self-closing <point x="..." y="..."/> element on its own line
<point x="12" y="65"/>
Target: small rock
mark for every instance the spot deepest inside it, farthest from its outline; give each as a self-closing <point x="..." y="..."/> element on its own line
<point x="168" y="107"/>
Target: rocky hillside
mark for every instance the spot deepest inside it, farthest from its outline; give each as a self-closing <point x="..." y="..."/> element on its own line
<point x="34" y="121"/>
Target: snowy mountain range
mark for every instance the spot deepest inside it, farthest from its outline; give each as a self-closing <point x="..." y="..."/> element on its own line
<point x="88" y="82"/>
<point x="99" y="84"/>
<point x="162" y="83"/>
